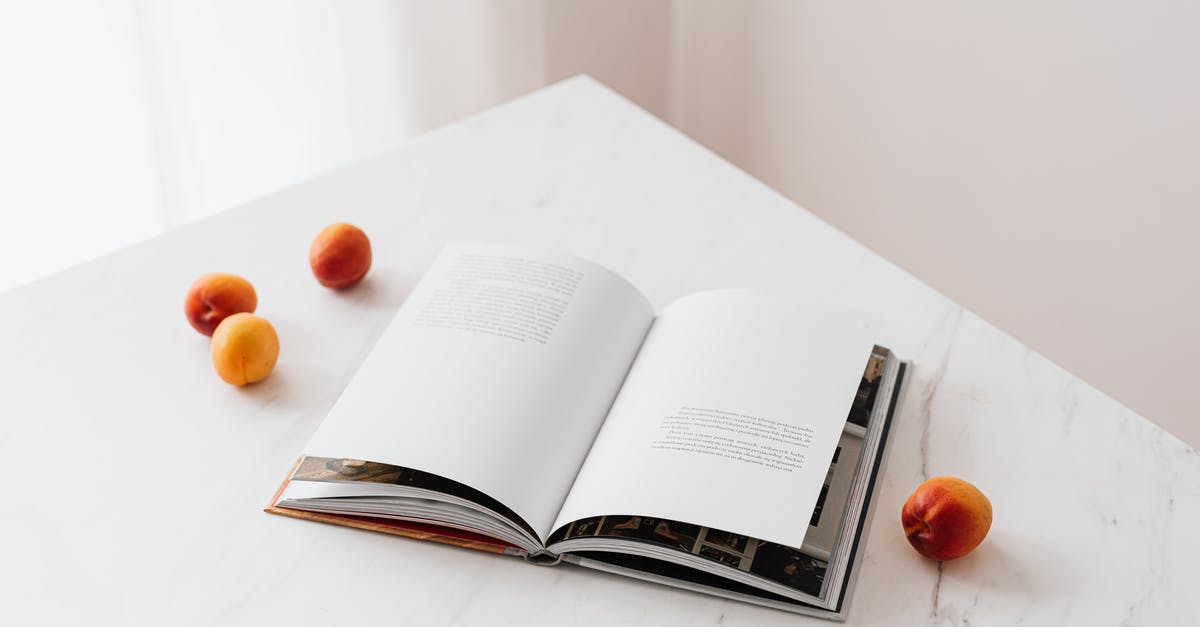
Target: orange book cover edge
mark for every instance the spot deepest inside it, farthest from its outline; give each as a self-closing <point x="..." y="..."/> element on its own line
<point x="416" y="531"/>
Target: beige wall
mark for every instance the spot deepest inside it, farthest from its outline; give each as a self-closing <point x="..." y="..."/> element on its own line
<point x="1039" y="162"/>
<point x="624" y="43"/>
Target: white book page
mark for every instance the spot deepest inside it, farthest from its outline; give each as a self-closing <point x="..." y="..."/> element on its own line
<point x="497" y="373"/>
<point x="729" y="416"/>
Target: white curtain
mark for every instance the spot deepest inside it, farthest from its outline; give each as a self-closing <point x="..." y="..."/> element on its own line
<point x="256" y="94"/>
<point x="77" y="166"/>
<point x="121" y="118"/>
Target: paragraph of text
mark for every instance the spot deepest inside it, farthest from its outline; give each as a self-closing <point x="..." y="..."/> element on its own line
<point x="748" y="439"/>
<point x="518" y="299"/>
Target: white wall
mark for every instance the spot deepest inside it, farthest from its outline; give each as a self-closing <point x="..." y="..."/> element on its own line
<point x="77" y="173"/>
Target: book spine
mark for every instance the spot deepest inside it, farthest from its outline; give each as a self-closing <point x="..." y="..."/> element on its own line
<point x="543" y="558"/>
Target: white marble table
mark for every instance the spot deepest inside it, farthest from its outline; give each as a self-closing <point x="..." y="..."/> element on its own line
<point x="134" y="478"/>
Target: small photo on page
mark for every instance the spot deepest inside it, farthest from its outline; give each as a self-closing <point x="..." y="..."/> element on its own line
<point x="790" y="567"/>
<point x="724" y="557"/>
<point x="675" y="535"/>
<point x="627" y="526"/>
<point x="585" y="527"/>
<point x="864" y="398"/>
<point x="726" y="540"/>
<point x="333" y="469"/>
<point x="727" y="548"/>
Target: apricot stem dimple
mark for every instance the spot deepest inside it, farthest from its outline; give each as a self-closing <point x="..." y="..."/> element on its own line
<point x="918" y="526"/>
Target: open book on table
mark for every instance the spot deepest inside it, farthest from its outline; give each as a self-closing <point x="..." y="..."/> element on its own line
<point x="534" y="404"/>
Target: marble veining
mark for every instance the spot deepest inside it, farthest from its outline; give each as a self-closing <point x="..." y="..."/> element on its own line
<point x="135" y="478"/>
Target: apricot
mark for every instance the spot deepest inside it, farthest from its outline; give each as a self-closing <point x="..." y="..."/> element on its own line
<point x="340" y="255"/>
<point x="946" y="518"/>
<point x="244" y="349"/>
<point x="214" y="297"/>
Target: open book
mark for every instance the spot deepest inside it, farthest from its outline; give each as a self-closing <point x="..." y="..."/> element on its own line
<point x="535" y="404"/>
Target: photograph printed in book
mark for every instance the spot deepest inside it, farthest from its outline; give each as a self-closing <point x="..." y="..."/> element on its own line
<point x="334" y="469"/>
<point x="771" y="561"/>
